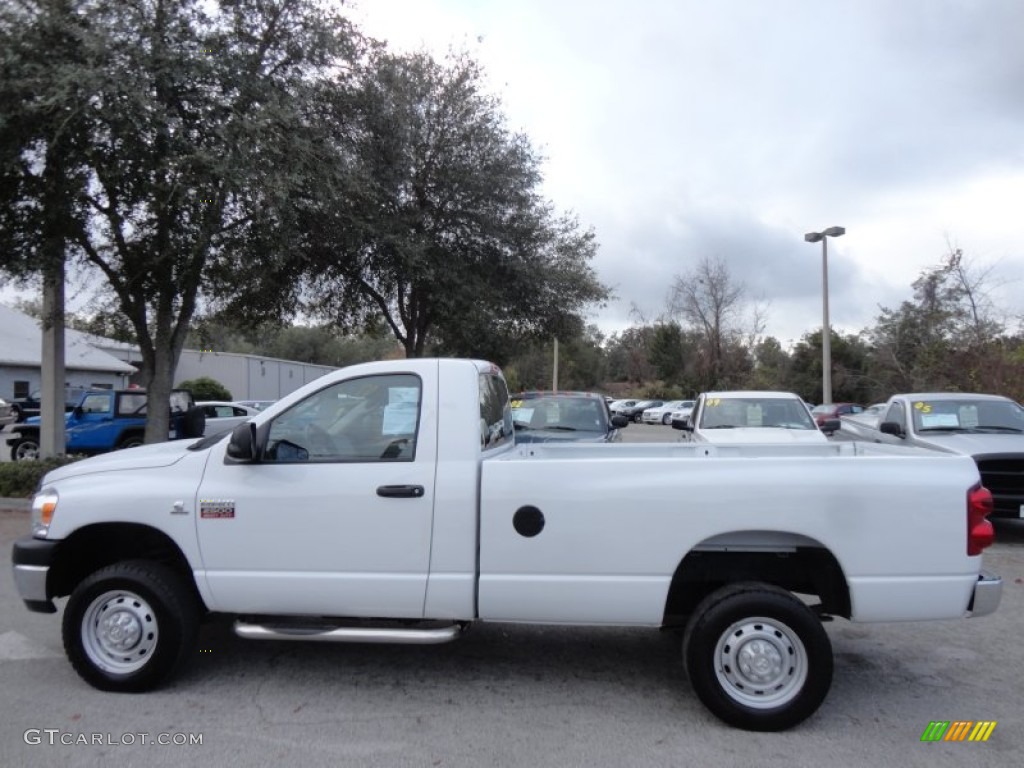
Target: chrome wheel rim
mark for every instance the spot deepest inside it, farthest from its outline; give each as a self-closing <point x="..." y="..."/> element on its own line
<point x="26" y="451"/>
<point x="119" y="632"/>
<point x="761" y="663"/>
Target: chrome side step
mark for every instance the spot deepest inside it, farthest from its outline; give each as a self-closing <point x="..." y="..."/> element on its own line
<point x="333" y="633"/>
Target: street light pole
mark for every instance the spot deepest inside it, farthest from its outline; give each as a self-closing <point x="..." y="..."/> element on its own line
<point x="826" y="328"/>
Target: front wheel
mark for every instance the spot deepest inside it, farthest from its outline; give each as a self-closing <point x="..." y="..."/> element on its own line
<point x="758" y="657"/>
<point x="128" y="626"/>
<point x="666" y="419"/>
<point x="26" y="449"/>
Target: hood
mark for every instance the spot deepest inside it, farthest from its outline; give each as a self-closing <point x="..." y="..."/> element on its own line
<point x="143" y="457"/>
<point x="971" y="444"/>
<point x="762" y="435"/>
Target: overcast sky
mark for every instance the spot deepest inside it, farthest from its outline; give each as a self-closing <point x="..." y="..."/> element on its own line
<point x="680" y="129"/>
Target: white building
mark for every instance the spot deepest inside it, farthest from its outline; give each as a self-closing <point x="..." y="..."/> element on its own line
<point x="21" y="344"/>
<point x="94" y="361"/>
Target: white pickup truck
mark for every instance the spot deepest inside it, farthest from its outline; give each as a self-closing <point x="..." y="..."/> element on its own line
<point x="388" y="502"/>
<point x="988" y="428"/>
<point x="757" y="416"/>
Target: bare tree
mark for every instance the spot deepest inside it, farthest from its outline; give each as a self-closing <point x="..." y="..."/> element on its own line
<point x="709" y="301"/>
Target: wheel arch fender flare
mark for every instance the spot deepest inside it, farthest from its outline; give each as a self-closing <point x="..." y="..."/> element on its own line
<point x="791" y="561"/>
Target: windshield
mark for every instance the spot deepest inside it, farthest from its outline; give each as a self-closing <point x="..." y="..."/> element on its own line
<point x="737" y="412"/>
<point x="968" y="415"/>
<point x="560" y="413"/>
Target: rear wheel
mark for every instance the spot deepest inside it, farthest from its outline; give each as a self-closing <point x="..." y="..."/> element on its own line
<point x="128" y="626"/>
<point x="757" y="657"/>
<point x="131" y="441"/>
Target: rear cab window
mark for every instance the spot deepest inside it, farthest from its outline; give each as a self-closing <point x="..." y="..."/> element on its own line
<point x="495" y="412"/>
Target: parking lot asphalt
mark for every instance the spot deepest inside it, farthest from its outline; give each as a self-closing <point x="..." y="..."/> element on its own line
<point x="513" y="695"/>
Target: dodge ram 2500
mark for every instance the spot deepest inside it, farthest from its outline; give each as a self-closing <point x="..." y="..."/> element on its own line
<point x="988" y="428"/>
<point x="389" y="502"/>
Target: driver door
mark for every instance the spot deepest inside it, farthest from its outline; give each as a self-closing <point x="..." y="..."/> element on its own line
<point x="336" y="518"/>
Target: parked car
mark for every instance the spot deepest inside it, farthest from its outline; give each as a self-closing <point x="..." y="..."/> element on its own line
<point x="223" y="417"/>
<point x="26" y="407"/>
<point x="752" y="417"/>
<point x="543" y="417"/>
<point x="635" y="412"/>
<point x="682" y="414"/>
<point x="822" y="413"/>
<point x="259" y="405"/>
<point x="615" y="405"/>
<point x="7" y="415"/>
<point x="106" y="420"/>
<point x="662" y="414"/>
<point x="988" y="428"/>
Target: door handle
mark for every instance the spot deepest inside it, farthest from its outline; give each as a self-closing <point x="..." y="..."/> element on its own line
<point x="400" y="491"/>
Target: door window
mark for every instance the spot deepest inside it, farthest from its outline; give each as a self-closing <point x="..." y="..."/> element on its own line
<point x="369" y="419"/>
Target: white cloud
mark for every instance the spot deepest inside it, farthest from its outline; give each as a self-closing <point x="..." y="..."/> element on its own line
<point x="680" y="129"/>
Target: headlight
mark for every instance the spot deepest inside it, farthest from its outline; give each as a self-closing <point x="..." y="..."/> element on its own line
<point x="44" y="504"/>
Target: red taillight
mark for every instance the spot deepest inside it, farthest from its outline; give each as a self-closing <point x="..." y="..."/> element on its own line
<point x="980" y="533"/>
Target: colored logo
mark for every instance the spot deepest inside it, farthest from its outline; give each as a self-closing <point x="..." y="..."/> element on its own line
<point x="958" y="730"/>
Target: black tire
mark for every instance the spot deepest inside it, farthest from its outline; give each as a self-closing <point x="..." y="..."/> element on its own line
<point x="129" y="626"/>
<point x="131" y="441"/>
<point x="25" y="449"/>
<point x="637" y="418"/>
<point x="757" y="657"/>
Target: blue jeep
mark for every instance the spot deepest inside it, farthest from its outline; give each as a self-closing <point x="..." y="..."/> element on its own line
<point x="108" y="419"/>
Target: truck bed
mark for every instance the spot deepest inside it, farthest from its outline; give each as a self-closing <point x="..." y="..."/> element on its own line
<point x="589" y="451"/>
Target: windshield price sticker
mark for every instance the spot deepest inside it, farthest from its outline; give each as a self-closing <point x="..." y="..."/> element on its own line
<point x="714" y="401"/>
<point x="922" y="407"/>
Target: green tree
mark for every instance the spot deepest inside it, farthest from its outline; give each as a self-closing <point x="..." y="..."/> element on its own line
<point x="205" y="388"/>
<point x="945" y="337"/>
<point x="851" y="379"/>
<point x="156" y="140"/>
<point x="443" y="235"/>
<point x="667" y="351"/>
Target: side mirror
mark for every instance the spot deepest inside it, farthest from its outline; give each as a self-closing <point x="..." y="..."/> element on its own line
<point x="77" y="411"/>
<point x="890" y="428"/>
<point x="619" y="421"/>
<point x="828" y="426"/>
<point x="687" y="426"/>
<point x="244" y="444"/>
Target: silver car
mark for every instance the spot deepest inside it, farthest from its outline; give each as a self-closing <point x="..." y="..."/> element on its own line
<point x="7" y="414"/>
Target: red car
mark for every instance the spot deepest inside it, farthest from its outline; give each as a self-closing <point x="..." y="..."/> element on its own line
<point x="823" y="413"/>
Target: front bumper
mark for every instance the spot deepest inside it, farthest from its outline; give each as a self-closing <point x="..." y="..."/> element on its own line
<point x="32" y="559"/>
<point x="987" y="593"/>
